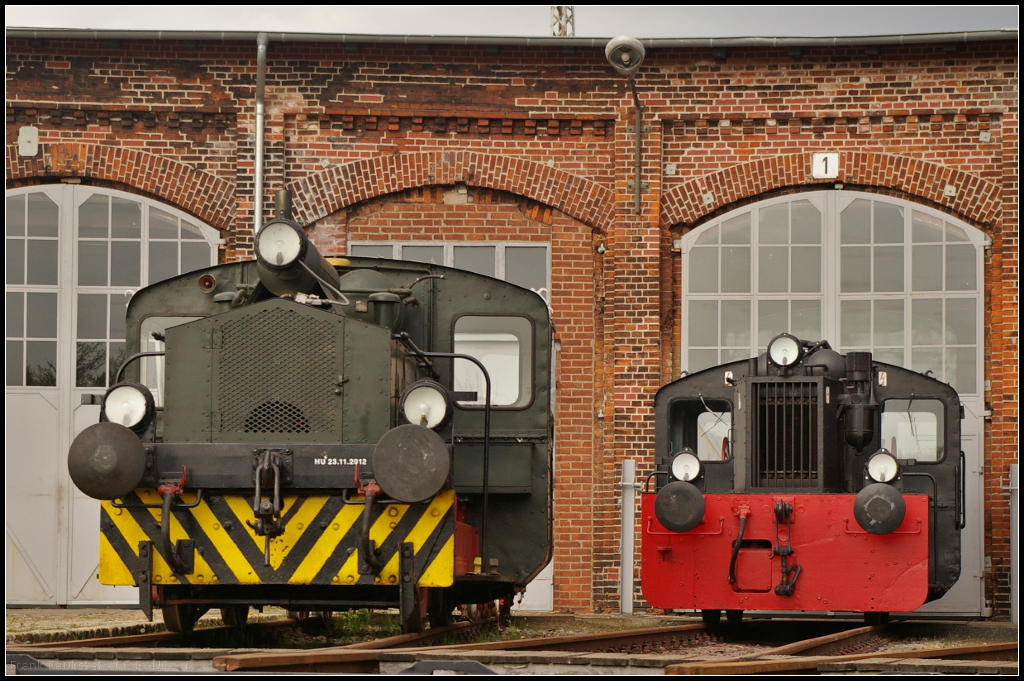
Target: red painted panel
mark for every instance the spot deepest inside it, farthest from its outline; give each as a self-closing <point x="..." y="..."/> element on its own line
<point x="842" y="566"/>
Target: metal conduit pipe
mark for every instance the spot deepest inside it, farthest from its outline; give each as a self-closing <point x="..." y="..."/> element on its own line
<point x="627" y="533"/>
<point x="261" y="82"/>
<point x="553" y="41"/>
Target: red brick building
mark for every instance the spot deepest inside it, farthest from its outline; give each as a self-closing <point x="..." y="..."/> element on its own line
<point x="526" y="142"/>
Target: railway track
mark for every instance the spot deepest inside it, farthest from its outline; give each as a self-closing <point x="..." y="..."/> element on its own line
<point x="681" y="649"/>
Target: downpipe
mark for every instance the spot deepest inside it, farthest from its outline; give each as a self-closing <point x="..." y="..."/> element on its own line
<point x="261" y="81"/>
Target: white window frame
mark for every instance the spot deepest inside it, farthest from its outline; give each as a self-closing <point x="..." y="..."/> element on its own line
<point x="831" y="203"/>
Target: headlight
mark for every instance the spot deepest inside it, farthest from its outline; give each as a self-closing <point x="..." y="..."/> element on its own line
<point x="278" y="244"/>
<point x="685" y="465"/>
<point x="882" y="466"/>
<point x="128" y="404"/>
<point x="425" y="404"/>
<point x="785" y="350"/>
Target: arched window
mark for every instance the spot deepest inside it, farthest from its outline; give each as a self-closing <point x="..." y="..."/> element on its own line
<point x="863" y="271"/>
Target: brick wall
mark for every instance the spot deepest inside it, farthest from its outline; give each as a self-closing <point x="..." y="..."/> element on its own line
<point x="368" y="138"/>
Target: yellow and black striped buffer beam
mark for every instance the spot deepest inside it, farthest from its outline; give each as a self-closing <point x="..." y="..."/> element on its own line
<point x="320" y="544"/>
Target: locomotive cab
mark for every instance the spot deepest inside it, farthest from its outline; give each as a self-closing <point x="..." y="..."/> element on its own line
<point x="324" y="435"/>
<point x="803" y="479"/>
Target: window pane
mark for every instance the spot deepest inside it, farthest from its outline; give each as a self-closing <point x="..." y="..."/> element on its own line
<point x="927" y="359"/>
<point x="42" y="262"/>
<point x="773" y="224"/>
<point x="162" y="225"/>
<point x="703" y="264"/>
<point x="372" y="251"/>
<point x="806" y="223"/>
<point x="913" y="429"/>
<point x="960" y="270"/>
<point x="855" y="223"/>
<point x="888" y="268"/>
<point x="527" y="267"/>
<point x="888" y="223"/>
<point x="90" y="365"/>
<point x="190" y="231"/>
<point x="15" y="363"/>
<point x="16" y="216"/>
<point x="92" y="315"/>
<point x="854" y="324"/>
<point x="926" y="229"/>
<point x="708" y="237"/>
<point x="736" y="324"/>
<point x="855" y="269"/>
<point x="926" y="323"/>
<point x="954" y="233"/>
<point x="735" y="269"/>
<point x="772" y="319"/>
<point x="888" y="323"/>
<point x="92" y="263"/>
<point x="163" y="260"/>
<point x="42" y="216"/>
<point x="118" y="354"/>
<point x="194" y="256"/>
<point x="41" y="363"/>
<point x="713" y="434"/>
<point x="889" y="355"/>
<point x="806" y="269"/>
<point x="431" y="254"/>
<point x="503" y="345"/>
<point x="703" y="322"/>
<point x="15" y="261"/>
<point x="735" y="354"/>
<point x="118" y="311"/>
<point x="15" y="315"/>
<point x="41" y="320"/>
<point x="479" y="259"/>
<point x="961" y="321"/>
<point x="773" y="269"/>
<point x="806" y="323"/>
<point x="927" y="268"/>
<point x="702" y="359"/>
<point x="125" y="219"/>
<point x="962" y="369"/>
<point x="736" y="230"/>
<point x="93" y="217"/>
<point x="125" y="263"/>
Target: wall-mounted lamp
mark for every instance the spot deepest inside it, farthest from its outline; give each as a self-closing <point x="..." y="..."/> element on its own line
<point x="625" y="54"/>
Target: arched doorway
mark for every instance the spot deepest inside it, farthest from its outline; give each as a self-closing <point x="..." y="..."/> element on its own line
<point x="865" y="272"/>
<point x="75" y="255"/>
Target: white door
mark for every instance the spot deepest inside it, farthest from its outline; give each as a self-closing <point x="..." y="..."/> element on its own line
<point x="75" y="254"/>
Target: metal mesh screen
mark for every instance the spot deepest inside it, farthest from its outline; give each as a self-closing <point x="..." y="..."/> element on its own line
<point x="277" y="372"/>
<point x="785" y="435"/>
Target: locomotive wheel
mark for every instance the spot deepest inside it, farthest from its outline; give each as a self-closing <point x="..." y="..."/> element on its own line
<point x="733" y="616"/>
<point x="234" y="615"/>
<point x="874" y="619"/>
<point x="327" y="616"/>
<point x="711" y="617"/>
<point x="180" y="618"/>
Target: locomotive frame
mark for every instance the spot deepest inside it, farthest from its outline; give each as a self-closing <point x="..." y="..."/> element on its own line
<point x="311" y="447"/>
<point x="803" y="480"/>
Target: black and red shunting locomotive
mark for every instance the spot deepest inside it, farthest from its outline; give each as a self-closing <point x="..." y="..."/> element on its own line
<point x="803" y="480"/>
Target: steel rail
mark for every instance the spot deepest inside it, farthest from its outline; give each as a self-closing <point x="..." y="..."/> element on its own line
<point x="987" y="651"/>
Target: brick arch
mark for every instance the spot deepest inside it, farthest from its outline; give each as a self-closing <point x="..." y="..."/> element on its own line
<point x="976" y="199"/>
<point x="206" y="196"/>
<point x="319" y="195"/>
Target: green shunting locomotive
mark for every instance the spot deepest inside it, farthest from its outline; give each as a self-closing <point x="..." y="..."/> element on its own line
<point x="324" y="434"/>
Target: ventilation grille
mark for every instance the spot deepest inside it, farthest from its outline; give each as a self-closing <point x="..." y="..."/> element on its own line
<point x="785" y="435"/>
<point x="276" y="373"/>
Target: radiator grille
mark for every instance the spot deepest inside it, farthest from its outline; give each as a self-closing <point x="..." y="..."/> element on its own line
<point x="276" y="373"/>
<point x="785" y="435"/>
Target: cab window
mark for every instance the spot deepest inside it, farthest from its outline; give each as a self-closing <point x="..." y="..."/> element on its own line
<point x="152" y="368"/>
<point x="914" y="429"/>
<point x="505" y="347"/>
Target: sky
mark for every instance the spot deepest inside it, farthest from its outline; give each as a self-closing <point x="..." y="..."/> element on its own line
<point x="526" y="20"/>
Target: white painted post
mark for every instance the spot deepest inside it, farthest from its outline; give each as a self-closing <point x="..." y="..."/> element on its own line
<point x="628" y="525"/>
